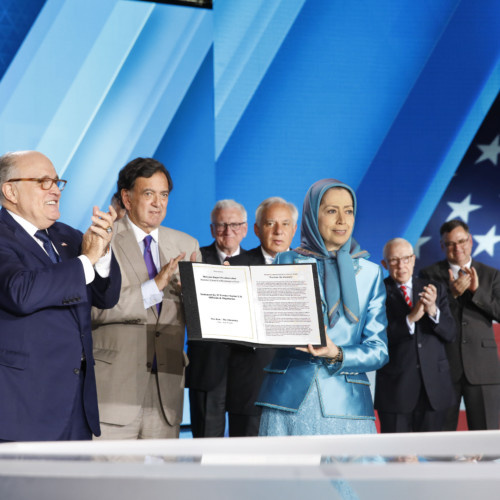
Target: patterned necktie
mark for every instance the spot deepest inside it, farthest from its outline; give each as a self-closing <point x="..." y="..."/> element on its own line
<point x="406" y="296"/>
<point x="47" y="245"/>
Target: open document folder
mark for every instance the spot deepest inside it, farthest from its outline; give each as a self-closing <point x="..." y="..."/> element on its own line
<point x="261" y="306"/>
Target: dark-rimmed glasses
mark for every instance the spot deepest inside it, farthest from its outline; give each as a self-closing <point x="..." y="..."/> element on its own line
<point x="455" y="244"/>
<point x="396" y="260"/>
<point x="220" y="227"/>
<point x="45" y="182"/>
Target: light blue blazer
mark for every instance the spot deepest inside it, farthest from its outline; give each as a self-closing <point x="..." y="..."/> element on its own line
<point x="343" y="388"/>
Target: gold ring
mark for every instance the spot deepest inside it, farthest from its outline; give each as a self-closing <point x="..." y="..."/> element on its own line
<point x="109" y="229"/>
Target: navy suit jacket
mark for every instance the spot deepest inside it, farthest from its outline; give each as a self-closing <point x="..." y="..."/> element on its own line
<point x="415" y="359"/>
<point x="44" y="330"/>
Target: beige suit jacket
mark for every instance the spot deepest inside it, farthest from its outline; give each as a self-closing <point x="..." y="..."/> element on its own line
<point x="127" y="337"/>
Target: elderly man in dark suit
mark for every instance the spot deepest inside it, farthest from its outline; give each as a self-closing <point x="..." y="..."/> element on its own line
<point x="414" y="390"/>
<point x="50" y="276"/>
<point x="275" y="226"/>
<point x="206" y="374"/>
<point x="474" y="296"/>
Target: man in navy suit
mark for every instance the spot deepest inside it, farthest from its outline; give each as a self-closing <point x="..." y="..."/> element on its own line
<point x="414" y="390"/>
<point x="50" y="276"/>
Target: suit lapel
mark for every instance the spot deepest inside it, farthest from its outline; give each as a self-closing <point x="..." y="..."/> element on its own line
<point x="62" y="244"/>
<point x="131" y="254"/>
<point x="212" y="256"/>
<point x="166" y="251"/>
<point x="130" y="251"/>
<point x="25" y="240"/>
<point x="257" y="256"/>
<point x="444" y="271"/>
<point x="395" y="295"/>
<point x="418" y="286"/>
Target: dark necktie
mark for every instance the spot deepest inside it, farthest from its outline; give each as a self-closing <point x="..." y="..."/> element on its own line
<point x="47" y="245"/>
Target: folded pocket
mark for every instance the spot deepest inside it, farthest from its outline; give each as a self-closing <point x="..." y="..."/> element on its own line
<point x="14" y="359"/>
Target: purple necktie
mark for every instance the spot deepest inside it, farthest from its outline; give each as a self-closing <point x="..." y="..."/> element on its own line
<point x="150" y="265"/>
<point x="148" y="257"/>
<point x="152" y="271"/>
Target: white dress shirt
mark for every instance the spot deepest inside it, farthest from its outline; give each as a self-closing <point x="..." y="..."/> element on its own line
<point x="151" y="295"/>
<point x="102" y="266"/>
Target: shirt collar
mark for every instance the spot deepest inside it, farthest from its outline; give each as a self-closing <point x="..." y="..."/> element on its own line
<point x="455" y="267"/>
<point x="267" y="257"/>
<point x="222" y="256"/>
<point x="408" y="284"/>
<point x="140" y="234"/>
<point x="26" y="225"/>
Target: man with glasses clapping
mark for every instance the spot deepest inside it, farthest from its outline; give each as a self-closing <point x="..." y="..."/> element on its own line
<point x="50" y="276"/>
<point x="474" y="297"/>
<point x="413" y="391"/>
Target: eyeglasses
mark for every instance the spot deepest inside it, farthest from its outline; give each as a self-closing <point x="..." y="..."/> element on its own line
<point x="395" y="261"/>
<point x="220" y="227"/>
<point x="455" y="244"/>
<point x="45" y="182"/>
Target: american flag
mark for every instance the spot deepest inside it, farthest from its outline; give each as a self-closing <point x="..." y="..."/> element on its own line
<point x="473" y="196"/>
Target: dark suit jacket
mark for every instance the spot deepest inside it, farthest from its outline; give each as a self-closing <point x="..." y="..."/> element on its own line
<point x="44" y="329"/>
<point x="474" y="352"/>
<point x="207" y="360"/>
<point x="415" y="359"/>
<point x="246" y="364"/>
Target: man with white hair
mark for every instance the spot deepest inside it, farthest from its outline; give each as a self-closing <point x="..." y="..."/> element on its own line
<point x="414" y="390"/>
<point x="275" y="226"/>
<point x="206" y="374"/>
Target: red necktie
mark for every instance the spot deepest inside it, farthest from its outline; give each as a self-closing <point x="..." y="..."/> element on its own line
<point x="406" y="296"/>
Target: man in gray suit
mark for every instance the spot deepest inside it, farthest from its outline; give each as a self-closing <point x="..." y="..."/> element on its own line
<point x="474" y="298"/>
<point x="139" y="344"/>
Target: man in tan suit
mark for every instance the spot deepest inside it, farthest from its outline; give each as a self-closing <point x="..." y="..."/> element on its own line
<point x="139" y="344"/>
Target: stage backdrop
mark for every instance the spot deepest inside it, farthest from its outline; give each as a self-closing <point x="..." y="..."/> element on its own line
<point x="259" y="98"/>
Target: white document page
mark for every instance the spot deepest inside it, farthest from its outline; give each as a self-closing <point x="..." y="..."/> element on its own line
<point x="285" y="305"/>
<point x="273" y="304"/>
<point x="225" y="302"/>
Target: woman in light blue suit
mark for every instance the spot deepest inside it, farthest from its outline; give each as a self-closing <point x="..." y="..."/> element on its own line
<point x="325" y="390"/>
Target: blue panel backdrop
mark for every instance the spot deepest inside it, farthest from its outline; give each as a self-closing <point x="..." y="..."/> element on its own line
<point x="261" y="98"/>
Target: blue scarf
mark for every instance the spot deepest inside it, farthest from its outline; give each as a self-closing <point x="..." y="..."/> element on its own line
<point x="337" y="267"/>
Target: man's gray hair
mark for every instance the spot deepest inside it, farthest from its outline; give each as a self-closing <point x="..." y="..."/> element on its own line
<point x="222" y="204"/>
<point x="393" y="242"/>
<point x="7" y="168"/>
<point x="275" y="200"/>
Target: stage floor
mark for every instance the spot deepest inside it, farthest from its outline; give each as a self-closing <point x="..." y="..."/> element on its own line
<point x="396" y="466"/>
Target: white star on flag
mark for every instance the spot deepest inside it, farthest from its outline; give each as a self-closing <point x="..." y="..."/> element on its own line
<point x="461" y="210"/>
<point x="487" y="242"/>
<point x="490" y="151"/>
<point x="421" y="241"/>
